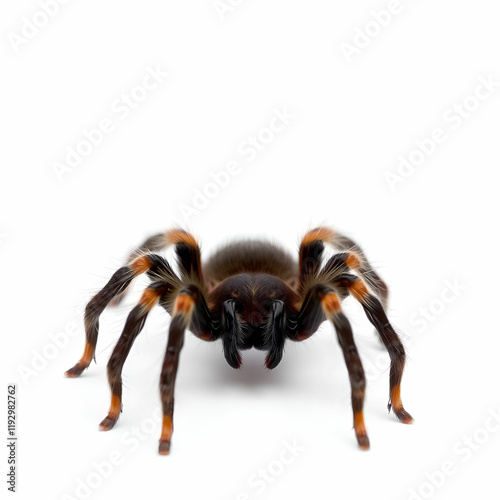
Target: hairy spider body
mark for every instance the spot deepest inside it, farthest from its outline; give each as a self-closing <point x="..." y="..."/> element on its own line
<point x="254" y="280"/>
<point x="249" y="294"/>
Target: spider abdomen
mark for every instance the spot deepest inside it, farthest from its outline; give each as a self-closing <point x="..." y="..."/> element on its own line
<point x="252" y="256"/>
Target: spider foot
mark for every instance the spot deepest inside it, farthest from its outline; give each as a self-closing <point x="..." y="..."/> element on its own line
<point x="108" y="423"/>
<point x="166" y="435"/>
<point x="164" y="447"/>
<point x="401" y="413"/>
<point x="363" y="442"/>
<point x="113" y="413"/>
<point x="84" y="362"/>
<point x="359" y="429"/>
<point x="397" y="406"/>
<point x="76" y="371"/>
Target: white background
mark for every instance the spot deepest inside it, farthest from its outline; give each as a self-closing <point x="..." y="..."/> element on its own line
<point x="62" y="238"/>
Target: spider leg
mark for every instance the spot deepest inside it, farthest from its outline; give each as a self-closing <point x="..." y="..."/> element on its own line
<point x="311" y="251"/>
<point x="321" y="301"/>
<point x="158" y="292"/>
<point x="310" y="255"/>
<point x="119" y="281"/>
<point x="133" y="326"/>
<point x="376" y="314"/>
<point x="184" y="306"/>
<point x="202" y="324"/>
<point x="186" y="247"/>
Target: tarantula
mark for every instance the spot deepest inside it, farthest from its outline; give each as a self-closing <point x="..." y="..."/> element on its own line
<point x="248" y="294"/>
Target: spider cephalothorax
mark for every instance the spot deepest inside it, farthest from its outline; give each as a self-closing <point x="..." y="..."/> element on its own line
<point x="248" y="294"/>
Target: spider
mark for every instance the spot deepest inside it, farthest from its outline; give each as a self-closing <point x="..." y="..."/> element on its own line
<point x="248" y="294"/>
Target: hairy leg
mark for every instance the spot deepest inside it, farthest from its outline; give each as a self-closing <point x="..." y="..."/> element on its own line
<point x="183" y="309"/>
<point x="133" y="327"/>
<point x="311" y="251"/>
<point x="322" y="302"/>
<point x="376" y="314"/>
<point x="187" y="250"/>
